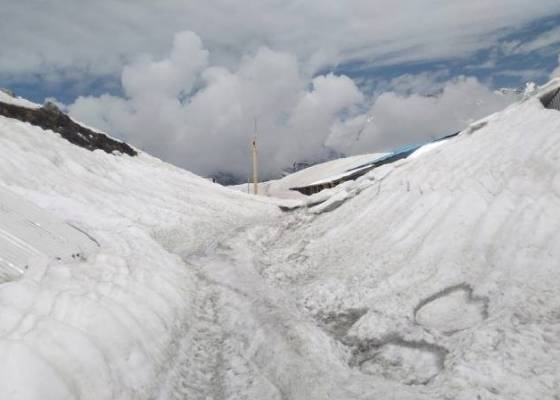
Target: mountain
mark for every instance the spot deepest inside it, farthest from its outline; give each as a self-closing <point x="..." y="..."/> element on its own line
<point x="432" y="277"/>
<point x="49" y="117"/>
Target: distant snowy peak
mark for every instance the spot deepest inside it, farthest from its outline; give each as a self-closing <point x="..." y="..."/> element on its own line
<point x="49" y="117"/>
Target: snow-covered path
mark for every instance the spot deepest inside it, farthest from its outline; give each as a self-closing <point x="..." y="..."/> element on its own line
<point x="250" y="338"/>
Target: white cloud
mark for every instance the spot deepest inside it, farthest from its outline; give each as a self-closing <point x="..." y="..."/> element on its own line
<point x="525" y="75"/>
<point x="423" y="83"/>
<point x="66" y="38"/>
<point x="541" y="42"/>
<point x="170" y="76"/>
<point x="201" y="117"/>
<point x="556" y="72"/>
<point x="207" y="129"/>
<point x="396" y="119"/>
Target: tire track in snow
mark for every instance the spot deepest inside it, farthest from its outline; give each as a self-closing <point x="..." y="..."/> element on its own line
<point x="198" y="374"/>
<point x="249" y="340"/>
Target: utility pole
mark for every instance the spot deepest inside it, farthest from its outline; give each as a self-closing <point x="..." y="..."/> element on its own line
<point x="255" y="160"/>
<point x="255" y="166"/>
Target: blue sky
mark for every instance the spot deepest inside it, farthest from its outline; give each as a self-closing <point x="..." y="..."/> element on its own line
<point x="492" y="65"/>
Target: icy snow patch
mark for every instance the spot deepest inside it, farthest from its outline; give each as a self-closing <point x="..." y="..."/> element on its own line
<point x="452" y="310"/>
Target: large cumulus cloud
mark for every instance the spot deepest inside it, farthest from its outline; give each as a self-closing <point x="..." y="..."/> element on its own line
<point x="396" y="118"/>
<point x="556" y="72"/>
<point x="202" y="116"/>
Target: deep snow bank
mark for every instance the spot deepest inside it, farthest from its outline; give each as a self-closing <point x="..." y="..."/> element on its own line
<point x="106" y="327"/>
<point x="441" y="271"/>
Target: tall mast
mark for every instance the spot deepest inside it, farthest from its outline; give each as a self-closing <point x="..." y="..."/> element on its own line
<point x="255" y="167"/>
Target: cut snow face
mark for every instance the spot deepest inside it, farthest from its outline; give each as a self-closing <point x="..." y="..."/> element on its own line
<point x="49" y="117"/>
<point x="29" y="235"/>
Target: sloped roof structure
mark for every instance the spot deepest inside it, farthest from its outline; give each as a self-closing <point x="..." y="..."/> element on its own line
<point x="28" y="232"/>
<point x="362" y="169"/>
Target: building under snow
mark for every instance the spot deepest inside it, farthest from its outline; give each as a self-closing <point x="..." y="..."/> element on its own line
<point x="363" y="168"/>
<point x="551" y="99"/>
<point x="30" y="234"/>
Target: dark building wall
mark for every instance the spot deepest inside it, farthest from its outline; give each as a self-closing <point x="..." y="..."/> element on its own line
<point x="555" y="101"/>
<point x="552" y="100"/>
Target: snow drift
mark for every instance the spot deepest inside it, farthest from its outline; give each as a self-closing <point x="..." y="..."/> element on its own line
<point x="433" y="277"/>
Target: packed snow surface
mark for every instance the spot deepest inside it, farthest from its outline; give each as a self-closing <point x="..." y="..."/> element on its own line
<point x="434" y="277"/>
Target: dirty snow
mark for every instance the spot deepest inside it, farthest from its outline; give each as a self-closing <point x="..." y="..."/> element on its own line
<point x="434" y="277"/>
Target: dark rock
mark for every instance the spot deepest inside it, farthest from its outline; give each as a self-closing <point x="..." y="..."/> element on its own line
<point x="50" y="117"/>
<point x="52" y="108"/>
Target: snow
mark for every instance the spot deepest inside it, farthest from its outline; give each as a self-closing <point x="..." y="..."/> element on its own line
<point x="477" y="217"/>
<point x="18" y="101"/>
<point x="427" y="148"/>
<point x="106" y="327"/>
<point x="434" y="277"/>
